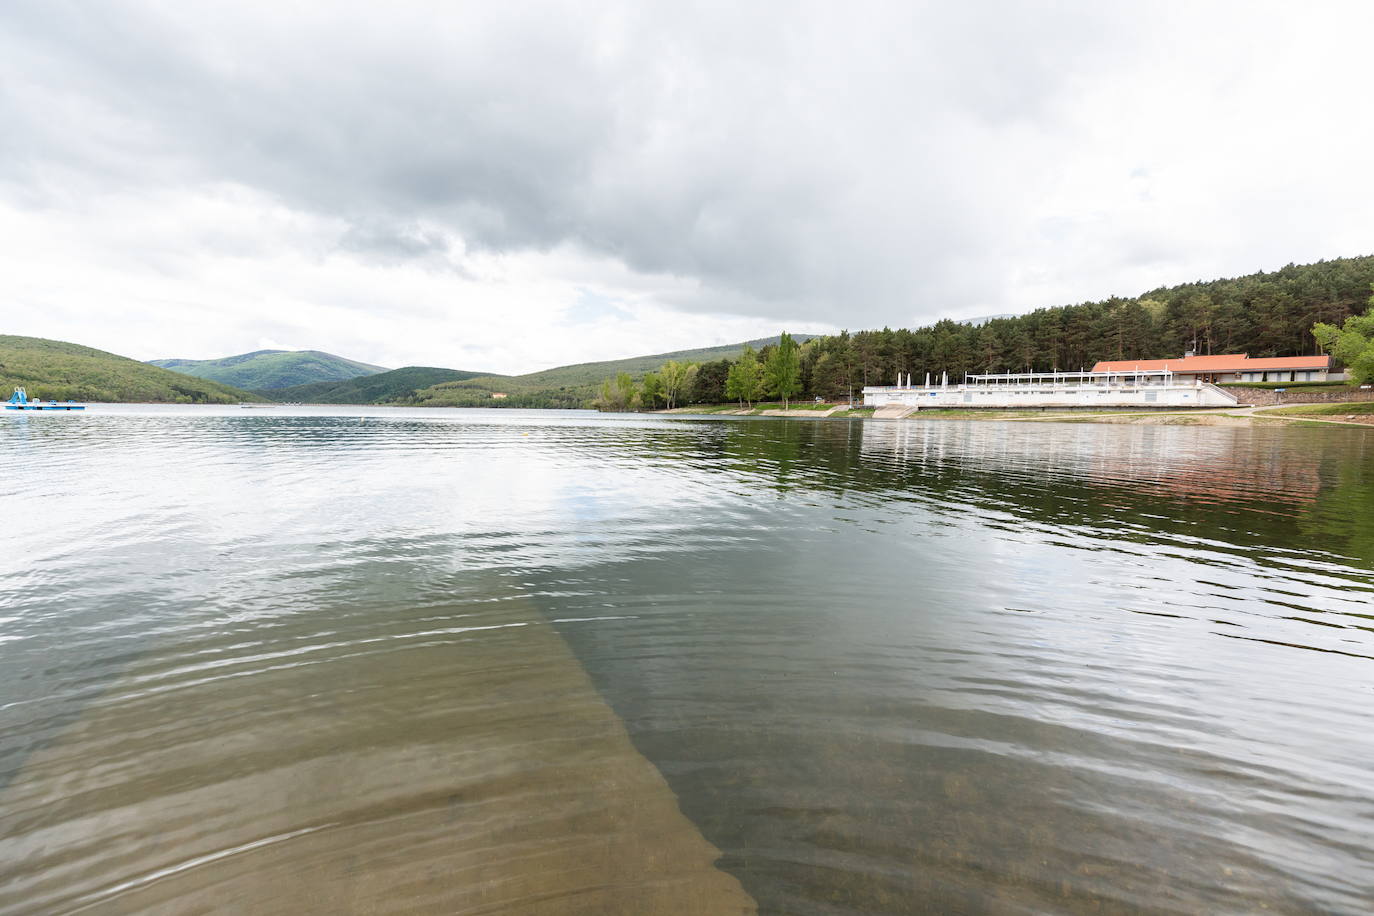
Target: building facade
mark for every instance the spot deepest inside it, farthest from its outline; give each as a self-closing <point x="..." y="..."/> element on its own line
<point x="1126" y="388"/>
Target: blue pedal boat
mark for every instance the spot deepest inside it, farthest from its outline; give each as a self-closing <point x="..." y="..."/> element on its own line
<point x="20" y="401"/>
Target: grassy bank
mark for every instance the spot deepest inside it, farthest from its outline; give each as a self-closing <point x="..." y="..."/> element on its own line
<point x="1361" y="408"/>
<point x="1361" y="412"/>
<point x="759" y="409"/>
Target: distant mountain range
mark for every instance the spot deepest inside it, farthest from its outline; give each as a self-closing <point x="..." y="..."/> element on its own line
<point x="593" y="373"/>
<point x="272" y="369"/>
<point x="381" y="388"/>
<point x="52" y="368"/>
<point x="563" y="386"/>
<point x="567" y="386"/>
<point x="56" y="369"/>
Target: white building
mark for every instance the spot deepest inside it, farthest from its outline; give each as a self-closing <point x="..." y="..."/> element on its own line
<point x="1133" y="388"/>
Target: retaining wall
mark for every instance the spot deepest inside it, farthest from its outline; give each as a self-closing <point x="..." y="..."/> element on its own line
<point x="1265" y="397"/>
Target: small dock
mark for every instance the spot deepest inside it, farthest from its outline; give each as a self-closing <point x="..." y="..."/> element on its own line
<point x="20" y="401"/>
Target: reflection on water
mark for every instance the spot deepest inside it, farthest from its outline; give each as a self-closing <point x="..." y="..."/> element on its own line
<point x="537" y="662"/>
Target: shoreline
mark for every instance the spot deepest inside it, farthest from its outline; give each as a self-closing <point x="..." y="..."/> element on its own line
<point x="1271" y="415"/>
<point x="1358" y="414"/>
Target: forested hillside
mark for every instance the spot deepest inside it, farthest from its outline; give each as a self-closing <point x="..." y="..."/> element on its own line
<point x="56" y="369"/>
<point x="397" y="385"/>
<point x="1264" y="314"/>
<point x="268" y="369"/>
<point x="566" y="386"/>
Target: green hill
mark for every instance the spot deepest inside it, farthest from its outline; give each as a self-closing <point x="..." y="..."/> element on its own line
<point x="567" y="386"/>
<point x="382" y="388"/>
<point x="271" y="369"/>
<point x="55" y="369"/>
<point x="1265" y="314"/>
<point x="593" y="373"/>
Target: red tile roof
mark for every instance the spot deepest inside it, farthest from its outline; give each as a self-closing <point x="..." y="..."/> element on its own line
<point x="1232" y="362"/>
<point x="1290" y="362"/>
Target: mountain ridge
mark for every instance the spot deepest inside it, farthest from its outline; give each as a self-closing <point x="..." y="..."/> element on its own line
<point x="378" y="388"/>
<point x="569" y="386"/>
<point x="271" y="369"/>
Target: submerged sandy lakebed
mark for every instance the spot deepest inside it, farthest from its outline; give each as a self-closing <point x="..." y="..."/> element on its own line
<point x="419" y="776"/>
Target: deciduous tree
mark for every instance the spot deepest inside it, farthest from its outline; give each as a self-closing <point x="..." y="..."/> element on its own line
<point x="1352" y="344"/>
<point x="745" y="377"/>
<point x="782" y="374"/>
<point x="651" y="391"/>
<point x="625" y="390"/>
<point x="677" y="377"/>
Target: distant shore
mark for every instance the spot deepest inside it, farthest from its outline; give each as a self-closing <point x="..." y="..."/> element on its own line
<point x="1324" y="414"/>
<point x="1359" y="414"/>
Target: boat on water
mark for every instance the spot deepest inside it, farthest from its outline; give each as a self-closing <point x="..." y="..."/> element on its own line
<point x="20" y="401"/>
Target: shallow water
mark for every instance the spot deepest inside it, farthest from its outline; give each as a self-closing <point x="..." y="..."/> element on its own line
<point x="505" y="661"/>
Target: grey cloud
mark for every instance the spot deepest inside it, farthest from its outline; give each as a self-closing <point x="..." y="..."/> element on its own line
<point x="389" y="242"/>
<point x="855" y="165"/>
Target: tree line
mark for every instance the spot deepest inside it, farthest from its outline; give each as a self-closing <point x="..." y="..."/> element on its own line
<point x="1264" y="315"/>
<point x="776" y="371"/>
<point x="1352" y="344"/>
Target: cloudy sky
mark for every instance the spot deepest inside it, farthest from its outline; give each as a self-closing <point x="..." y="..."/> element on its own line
<point x="510" y="186"/>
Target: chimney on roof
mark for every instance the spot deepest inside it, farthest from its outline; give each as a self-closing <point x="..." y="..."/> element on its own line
<point x="1191" y="351"/>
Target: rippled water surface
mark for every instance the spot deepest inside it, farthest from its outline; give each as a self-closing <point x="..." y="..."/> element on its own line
<point x="538" y="662"/>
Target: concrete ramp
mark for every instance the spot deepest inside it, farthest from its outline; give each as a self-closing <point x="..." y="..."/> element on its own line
<point x="407" y="771"/>
<point x="893" y="412"/>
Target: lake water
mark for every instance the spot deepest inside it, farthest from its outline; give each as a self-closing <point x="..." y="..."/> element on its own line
<point x="456" y="661"/>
